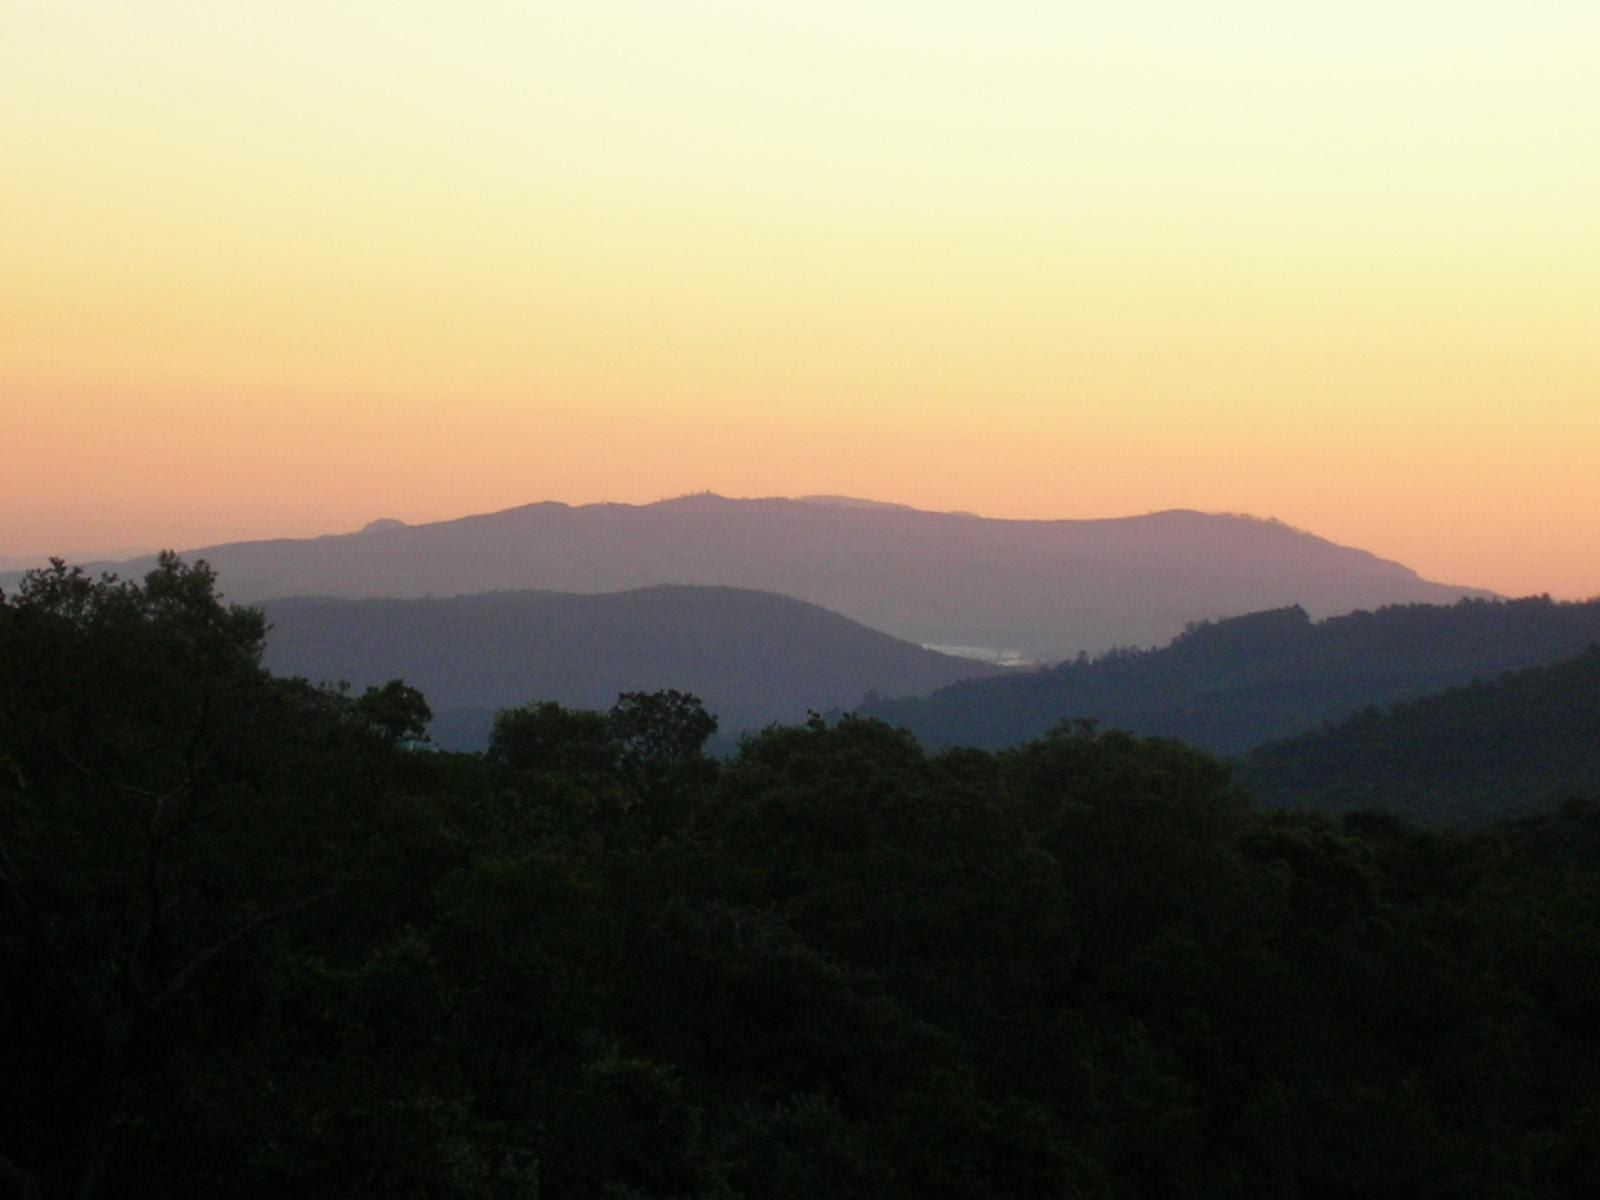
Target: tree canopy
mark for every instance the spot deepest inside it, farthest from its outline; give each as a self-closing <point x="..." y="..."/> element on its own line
<point x="259" y="940"/>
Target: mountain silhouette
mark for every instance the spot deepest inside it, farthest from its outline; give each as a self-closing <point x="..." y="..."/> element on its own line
<point x="754" y="658"/>
<point x="1230" y="685"/>
<point x="1042" y="589"/>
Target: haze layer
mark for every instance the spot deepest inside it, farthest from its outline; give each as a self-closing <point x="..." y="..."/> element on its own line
<point x="278" y="269"/>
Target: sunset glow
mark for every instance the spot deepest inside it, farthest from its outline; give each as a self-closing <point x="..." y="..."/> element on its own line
<point x="273" y="270"/>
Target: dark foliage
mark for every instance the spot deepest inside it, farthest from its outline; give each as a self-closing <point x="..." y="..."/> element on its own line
<point x="259" y="942"/>
<point x="1468" y="756"/>
<point x="1232" y="685"/>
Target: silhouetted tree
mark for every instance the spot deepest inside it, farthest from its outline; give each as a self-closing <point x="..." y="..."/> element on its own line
<point x="661" y="729"/>
<point x="548" y="737"/>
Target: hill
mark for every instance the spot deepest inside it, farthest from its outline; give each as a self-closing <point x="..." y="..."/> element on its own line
<point x="1043" y="589"/>
<point x="1230" y="685"/>
<point x="257" y="945"/>
<point x="752" y="657"/>
<point x="1468" y="756"/>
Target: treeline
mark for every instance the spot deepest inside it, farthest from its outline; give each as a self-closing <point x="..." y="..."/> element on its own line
<point x="1229" y="686"/>
<point x="258" y="942"/>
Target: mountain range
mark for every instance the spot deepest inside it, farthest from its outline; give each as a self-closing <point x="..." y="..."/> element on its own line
<point x="1038" y="590"/>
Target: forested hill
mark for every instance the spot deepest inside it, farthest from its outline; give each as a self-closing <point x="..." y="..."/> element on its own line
<point x="1231" y="685"/>
<point x="1045" y="589"/>
<point x="258" y="944"/>
<point x="753" y="657"/>
<point x="1468" y="756"/>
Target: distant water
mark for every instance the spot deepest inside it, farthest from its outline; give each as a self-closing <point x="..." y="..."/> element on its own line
<point x="988" y="654"/>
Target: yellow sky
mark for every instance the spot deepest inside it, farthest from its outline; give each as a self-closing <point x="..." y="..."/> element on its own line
<point x="273" y="269"/>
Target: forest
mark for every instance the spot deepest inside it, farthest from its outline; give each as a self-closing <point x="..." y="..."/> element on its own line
<point x="261" y="939"/>
<point x="1232" y="685"/>
<point x="1467" y="756"/>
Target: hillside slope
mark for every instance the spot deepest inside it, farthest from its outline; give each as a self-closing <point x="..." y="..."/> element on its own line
<point x="1045" y="589"/>
<point x="1231" y="685"/>
<point x="1468" y="756"/>
<point x="753" y="657"/>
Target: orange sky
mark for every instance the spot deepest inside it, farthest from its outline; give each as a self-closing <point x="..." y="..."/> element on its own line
<point x="280" y="269"/>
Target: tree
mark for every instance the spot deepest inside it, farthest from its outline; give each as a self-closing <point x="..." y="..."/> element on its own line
<point x="397" y="711"/>
<point x="663" y="735"/>
<point x="546" y="737"/>
<point x="661" y="729"/>
<point x="161" y="806"/>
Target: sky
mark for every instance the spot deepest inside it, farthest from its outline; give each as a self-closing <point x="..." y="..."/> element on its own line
<point x="281" y="269"/>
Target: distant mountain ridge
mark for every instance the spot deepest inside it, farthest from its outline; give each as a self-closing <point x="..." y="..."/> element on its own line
<point x="1043" y="589"/>
<point x="754" y="658"/>
<point x="1231" y="685"/>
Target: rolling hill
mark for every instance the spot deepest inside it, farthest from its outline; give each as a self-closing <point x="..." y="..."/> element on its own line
<point x="1468" y="756"/>
<point x="1043" y="589"/>
<point x="1231" y="685"/>
<point x="752" y="657"/>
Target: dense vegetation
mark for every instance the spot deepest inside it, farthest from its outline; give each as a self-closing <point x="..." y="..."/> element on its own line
<point x="257" y="942"/>
<point x="1470" y="755"/>
<point x="1228" y="686"/>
